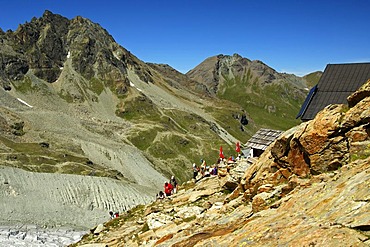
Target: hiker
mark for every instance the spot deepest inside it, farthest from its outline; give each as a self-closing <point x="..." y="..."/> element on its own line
<point x="160" y="195"/>
<point x="195" y="171"/>
<point x="214" y="170"/>
<point x="231" y="160"/>
<point x="203" y="167"/>
<point x="113" y="215"/>
<point x="173" y="182"/>
<point x="168" y="189"/>
<point x="239" y="157"/>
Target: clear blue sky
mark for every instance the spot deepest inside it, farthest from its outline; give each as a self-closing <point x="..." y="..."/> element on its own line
<point x="294" y="36"/>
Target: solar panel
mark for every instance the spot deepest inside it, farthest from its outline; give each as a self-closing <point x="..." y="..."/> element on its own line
<point x="336" y="84"/>
<point x="307" y="101"/>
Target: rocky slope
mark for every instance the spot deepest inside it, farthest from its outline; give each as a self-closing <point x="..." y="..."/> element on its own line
<point x="309" y="188"/>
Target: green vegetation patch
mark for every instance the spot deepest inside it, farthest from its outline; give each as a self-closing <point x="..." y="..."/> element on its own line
<point x="360" y="155"/>
<point x="271" y="106"/>
<point x="66" y="96"/>
<point x="229" y="118"/>
<point x="39" y="157"/>
<point x="188" y="219"/>
<point x="189" y="122"/>
<point x="144" y="139"/>
<point x="140" y="108"/>
<point x="28" y="86"/>
<point x="24" y="86"/>
<point x="313" y="78"/>
<point x="96" y="85"/>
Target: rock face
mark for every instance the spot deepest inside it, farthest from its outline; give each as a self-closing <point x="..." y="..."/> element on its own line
<point x="309" y="188"/>
<point x="337" y="136"/>
<point x="44" y="44"/>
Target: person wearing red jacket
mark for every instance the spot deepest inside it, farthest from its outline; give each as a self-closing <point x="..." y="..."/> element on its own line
<point x="168" y="188"/>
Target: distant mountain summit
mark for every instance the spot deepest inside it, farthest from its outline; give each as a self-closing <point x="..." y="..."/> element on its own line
<point x="217" y="69"/>
<point x="272" y="97"/>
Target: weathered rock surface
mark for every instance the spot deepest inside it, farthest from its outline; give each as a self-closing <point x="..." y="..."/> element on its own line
<point x="34" y="236"/>
<point x="309" y="188"/>
<point x="58" y="200"/>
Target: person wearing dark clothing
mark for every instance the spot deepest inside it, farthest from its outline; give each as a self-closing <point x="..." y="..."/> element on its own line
<point x="160" y="195"/>
<point x="173" y="182"/>
<point x="195" y="171"/>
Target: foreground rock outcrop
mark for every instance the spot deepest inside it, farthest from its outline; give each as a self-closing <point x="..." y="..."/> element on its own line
<point x="309" y="188"/>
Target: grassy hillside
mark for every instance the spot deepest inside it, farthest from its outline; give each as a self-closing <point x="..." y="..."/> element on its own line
<point x="270" y="106"/>
<point x="313" y="78"/>
<point x="173" y="139"/>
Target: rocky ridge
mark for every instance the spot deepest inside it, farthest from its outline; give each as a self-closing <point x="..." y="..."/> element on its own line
<point x="213" y="72"/>
<point x="309" y="188"/>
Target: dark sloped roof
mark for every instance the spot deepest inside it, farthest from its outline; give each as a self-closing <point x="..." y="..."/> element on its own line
<point x="263" y="138"/>
<point x="336" y="84"/>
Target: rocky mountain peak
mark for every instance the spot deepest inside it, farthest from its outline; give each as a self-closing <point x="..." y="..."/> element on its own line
<point x="252" y="84"/>
<point x="44" y="45"/>
<point x="214" y="71"/>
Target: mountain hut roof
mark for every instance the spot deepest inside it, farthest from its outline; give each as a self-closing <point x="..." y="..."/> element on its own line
<point x="263" y="138"/>
<point x="336" y="83"/>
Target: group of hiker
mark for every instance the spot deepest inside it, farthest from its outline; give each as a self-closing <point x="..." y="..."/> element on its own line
<point x="205" y="171"/>
<point x="170" y="188"/>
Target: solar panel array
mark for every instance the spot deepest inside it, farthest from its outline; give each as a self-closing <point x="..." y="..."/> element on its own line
<point x="336" y="84"/>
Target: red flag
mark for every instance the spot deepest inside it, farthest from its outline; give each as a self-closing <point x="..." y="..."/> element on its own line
<point x="221" y="153"/>
<point x="237" y="149"/>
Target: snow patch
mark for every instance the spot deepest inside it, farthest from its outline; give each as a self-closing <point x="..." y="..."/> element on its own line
<point x="133" y="85"/>
<point x="116" y="56"/>
<point x="24" y="102"/>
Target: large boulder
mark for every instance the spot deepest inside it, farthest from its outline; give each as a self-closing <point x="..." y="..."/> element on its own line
<point x="361" y="93"/>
